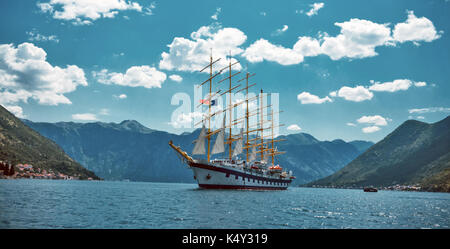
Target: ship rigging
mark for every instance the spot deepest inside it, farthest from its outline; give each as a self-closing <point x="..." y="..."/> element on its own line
<point x="258" y="170"/>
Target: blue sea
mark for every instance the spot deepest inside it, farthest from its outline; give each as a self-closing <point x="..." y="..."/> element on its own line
<point x="107" y="204"/>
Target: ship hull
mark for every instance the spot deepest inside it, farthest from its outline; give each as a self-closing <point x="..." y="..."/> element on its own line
<point x="216" y="177"/>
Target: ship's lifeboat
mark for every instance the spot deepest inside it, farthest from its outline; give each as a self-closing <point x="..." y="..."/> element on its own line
<point x="275" y="168"/>
<point x="254" y="167"/>
<point x="292" y="177"/>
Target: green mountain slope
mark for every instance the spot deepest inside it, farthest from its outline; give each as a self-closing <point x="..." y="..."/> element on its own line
<point x="415" y="153"/>
<point x="21" y="144"/>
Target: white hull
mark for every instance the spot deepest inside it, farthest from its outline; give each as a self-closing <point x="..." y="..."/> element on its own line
<point x="219" y="177"/>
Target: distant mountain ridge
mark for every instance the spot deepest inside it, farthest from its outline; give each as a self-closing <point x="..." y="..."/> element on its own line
<point x="132" y="151"/>
<point x="20" y="144"/>
<point x="415" y="153"/>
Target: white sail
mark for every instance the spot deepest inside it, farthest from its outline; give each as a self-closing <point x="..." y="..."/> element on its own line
<point x="219" y="145"/>
<point x="199" y="148"/>
<point x="252" y="155"/>
<point x="238" y="148"/>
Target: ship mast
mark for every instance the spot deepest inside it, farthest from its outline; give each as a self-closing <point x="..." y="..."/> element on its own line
<point x="261" y="125"/>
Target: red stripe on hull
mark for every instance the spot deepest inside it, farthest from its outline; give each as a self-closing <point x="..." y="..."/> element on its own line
<point x="214" y="186"/>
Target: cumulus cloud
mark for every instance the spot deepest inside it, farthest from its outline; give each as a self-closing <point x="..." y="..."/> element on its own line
<point x="396" y="85"/>
<point x="375" y="120"/>
<point x="415" y="30"/>
<point x="370" y="129"/>
<point x="176" y="77"/>
<point x="25" y="73"/>
<point x="356" y="94"/>
<point x="357" y="39"/>
<point x="84" y="117"/>
<point x="264" y="50"/>
<point x="315" y="7"/>
<point x="84" y="12"/>
<point x="16" y="110"/>
<point x="294" y="127"/>
<point x="307" y="98"/>
<point x="185" y="119"/>
<point x="351" y="124"/>
<point x="136" y="76"/>
<point x="193" y="54"/>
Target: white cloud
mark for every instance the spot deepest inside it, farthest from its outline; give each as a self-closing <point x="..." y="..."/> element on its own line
<point x="357" y="39"/>
<point x="33" y="35"/>
<point x="83" y="12"/>
<point x="216" y="14"/>
<point x="370" y="129"/>
<point x="185" y="118"/>
<point x="420" y="84"/>
<point x="356" y="94"/>
<point x="375" y="120"/>
<point x="280" y="31"/>
<point x="307" y="98"/>
<point x="429" y="109"/>
<point x="84" y="117"/>
<point x="351" y="124"/>
<point x="264" y="50"/>
<point x="415" y="29"/>
<point x="315" y="7"/>
<point x="25" y="73"/>
<point x="176" y="77"/>
<point x="121" y="96"/>
<point x="420" y="117"/>
<point x="16" y="110"/>
<point x="396" y="85"/>
<point x="193" y="54"/>
<point x="136" y="76"/>
<point x="294" y="127"/>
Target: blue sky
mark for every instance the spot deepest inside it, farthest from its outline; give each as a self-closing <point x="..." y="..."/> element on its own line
<point x="343" y="69"/>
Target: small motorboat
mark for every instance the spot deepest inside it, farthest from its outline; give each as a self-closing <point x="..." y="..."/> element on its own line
<point x="370" y="190"/>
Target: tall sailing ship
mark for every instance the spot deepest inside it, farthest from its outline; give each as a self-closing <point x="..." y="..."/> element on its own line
<point x="256" y="169"/>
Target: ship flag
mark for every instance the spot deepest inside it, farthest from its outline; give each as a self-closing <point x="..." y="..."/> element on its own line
<point x="199" y="148"/>
<point x="219" y="145"/>
<point x="238" y="148"/>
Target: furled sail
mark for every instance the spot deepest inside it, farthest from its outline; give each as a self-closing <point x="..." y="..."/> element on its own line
<point x="219" y="145"/>
<point x="238" y="148"/>
<point x="199" y="148"/>
<point x="252" y="155"/>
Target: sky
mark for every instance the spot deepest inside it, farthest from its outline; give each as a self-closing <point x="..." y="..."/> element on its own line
<point x="351" y="70"/>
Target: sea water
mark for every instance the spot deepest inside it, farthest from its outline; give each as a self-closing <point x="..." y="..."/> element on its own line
<point x="107" y="204"/>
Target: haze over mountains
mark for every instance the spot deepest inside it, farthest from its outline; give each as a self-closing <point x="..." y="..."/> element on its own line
<point x="129" y="150"/>
<point x="416" y="153"/>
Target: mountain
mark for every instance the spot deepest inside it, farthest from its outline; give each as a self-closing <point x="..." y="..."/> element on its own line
<point x="361" y="145"/>
<point x="415" y="153"/>
<point x="131" y="151"/>
<point x="20" y="144"/>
